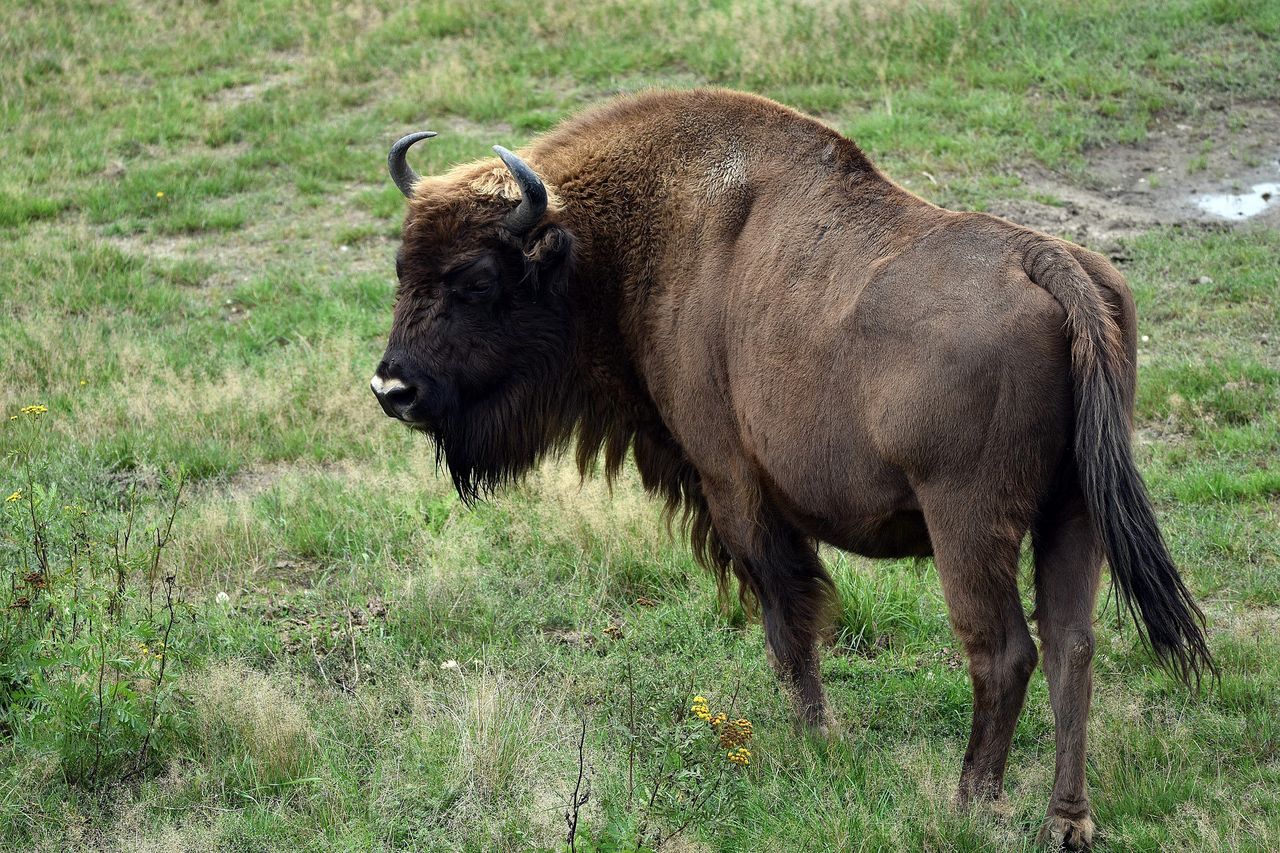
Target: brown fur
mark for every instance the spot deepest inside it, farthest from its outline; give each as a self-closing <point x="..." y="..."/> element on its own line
<point x="795" y="349"/>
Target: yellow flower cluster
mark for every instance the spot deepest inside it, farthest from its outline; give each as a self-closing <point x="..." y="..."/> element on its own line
<point x="16" y="496"/>
<point x="36" y="411"/>
<point x="734" y="735"/>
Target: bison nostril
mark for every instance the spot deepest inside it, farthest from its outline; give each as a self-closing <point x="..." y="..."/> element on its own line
<point x="394" y="395"/>
<point x="400" y="398"/>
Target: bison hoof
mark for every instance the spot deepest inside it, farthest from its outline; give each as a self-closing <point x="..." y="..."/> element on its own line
<point x="819" y="724"/>
<point x="978" y="791"/>
<point x="1064" y="833"/>
<point x="820" y="729"/>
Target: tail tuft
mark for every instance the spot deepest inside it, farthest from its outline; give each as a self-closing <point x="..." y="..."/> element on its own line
<point x="1145" y="580"/>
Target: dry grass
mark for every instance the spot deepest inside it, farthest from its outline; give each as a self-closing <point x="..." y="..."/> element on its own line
<point x="261" y="734"/>
<point x="504" y="749"/>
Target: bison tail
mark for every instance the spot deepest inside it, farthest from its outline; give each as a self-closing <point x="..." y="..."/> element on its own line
<point x="1144" y="577"/>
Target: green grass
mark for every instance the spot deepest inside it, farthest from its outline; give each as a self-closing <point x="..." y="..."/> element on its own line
<point x="229" y="326"/>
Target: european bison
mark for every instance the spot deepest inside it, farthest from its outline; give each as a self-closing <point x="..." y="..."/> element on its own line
<point x="796" y="349"/>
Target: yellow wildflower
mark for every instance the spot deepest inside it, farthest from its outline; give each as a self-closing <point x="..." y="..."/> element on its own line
<point x="735" y="733"/>
<point x="35" y="411"/>
<point x="16" y="496"/>
<point x="160" y="194"/>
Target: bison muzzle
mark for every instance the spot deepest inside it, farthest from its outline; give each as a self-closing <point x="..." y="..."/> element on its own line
<point x="795" y="349"/>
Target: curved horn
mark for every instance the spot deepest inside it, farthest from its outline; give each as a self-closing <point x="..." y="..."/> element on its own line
<point x="533" y="194"/>
<point x="401" y="172"/>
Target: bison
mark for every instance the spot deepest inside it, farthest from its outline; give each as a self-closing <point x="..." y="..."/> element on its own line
<point x="797" y="350"/>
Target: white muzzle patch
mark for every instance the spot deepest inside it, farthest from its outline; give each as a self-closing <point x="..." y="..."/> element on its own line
<point x="382" y="387"/>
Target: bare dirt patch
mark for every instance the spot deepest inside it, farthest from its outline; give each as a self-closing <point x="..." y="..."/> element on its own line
<point x="254" y="481"/>
<point x="1248" y="623"/>
<point x="246" y="92"/>
<point x="286" y="67"/>
<point x="1127" y="189"/>
<point x="461" y="126"/>
<point x="277" y="236"/>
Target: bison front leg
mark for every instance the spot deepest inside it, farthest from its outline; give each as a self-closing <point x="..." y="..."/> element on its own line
<point x="791" y="646"/>
<point x="783" y="570"/>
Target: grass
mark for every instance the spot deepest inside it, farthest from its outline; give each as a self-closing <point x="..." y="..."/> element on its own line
<point x="197" y="275"/>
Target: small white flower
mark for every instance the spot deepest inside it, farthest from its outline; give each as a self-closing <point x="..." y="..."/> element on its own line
<point x="450" y="664"/>
<point x="222" y="598"/>
<point x="1145" y="338"/>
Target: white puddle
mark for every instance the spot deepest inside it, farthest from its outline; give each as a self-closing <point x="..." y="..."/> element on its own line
<point x="1227" y="206"/>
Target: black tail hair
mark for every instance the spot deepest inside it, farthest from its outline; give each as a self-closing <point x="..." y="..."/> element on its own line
<point x="1145" y="580"/>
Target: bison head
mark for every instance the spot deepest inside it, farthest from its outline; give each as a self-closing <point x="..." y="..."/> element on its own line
<point x="480" y="342"/>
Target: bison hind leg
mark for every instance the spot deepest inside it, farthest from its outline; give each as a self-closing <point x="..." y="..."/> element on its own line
<point x="1068" y="572"/>
<point x="976" y="550"/>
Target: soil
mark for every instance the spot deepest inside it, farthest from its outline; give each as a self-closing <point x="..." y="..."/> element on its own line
<point x="237" y="259"/>
<point x="1124" y="190"/>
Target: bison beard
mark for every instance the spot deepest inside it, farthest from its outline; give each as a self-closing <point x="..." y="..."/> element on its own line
<point x="496" y="438"/>
<point x="794" y="349"/>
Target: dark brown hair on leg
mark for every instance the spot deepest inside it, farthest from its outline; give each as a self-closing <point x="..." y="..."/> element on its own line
<point x="977" y="557"/>
<point x="1068" y="554"/>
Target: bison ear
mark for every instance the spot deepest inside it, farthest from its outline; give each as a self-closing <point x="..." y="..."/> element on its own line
<point x="546" y="259"/>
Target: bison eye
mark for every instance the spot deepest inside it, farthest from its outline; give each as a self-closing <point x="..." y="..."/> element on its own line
<point x="476" y="280"/>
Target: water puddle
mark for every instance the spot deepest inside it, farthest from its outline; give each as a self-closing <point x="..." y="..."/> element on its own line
<point x="1242" y="206"/>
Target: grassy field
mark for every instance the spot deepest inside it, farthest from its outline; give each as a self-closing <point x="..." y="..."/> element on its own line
<point x="196" y="279"/>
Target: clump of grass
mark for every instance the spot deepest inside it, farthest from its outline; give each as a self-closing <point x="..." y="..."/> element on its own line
<point x="499" y="736"/>
<point x="250" y="729"/>
<point x="881" y="609"/>
<point x="21" y="209"/>
<point x="480" y="760"/>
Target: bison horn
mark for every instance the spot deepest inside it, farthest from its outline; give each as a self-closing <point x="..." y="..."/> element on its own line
<point x="401" y="172"/>
<point x="533" y="194"/>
